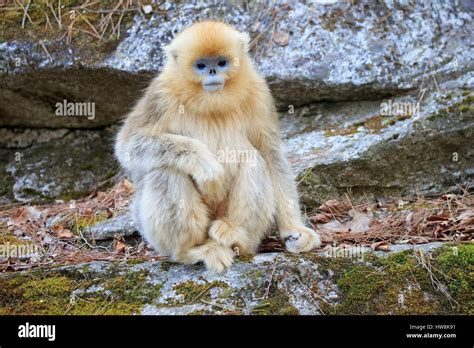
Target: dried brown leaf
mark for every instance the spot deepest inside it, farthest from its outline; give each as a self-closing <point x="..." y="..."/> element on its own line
<point x="124" y="187"/>
<point x="466" y="218"/>
<point x="24" y="214"/>
<point x="320" y="218"/>
<point x="360" y="223"/>
<point x="335" y="207"/>
<point x="281" y="38"/>
<point x="62" y="232"/>
<point x="442" y="217"/>
<point x="380" y="246"/>
<point x="119" y="244"/>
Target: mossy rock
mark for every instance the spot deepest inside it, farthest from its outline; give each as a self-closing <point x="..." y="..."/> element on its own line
<point x="80" y="292"/>
<point x="269" y="284"/>
<point x="427" y="154"/>
<point x="402" y="283"/>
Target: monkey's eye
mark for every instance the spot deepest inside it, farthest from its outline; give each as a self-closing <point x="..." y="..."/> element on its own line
<point x="200" y="66"/>
<point x="222" y="63"/>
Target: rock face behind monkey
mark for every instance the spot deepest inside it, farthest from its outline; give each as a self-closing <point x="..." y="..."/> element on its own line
<point x="203" y="149"/>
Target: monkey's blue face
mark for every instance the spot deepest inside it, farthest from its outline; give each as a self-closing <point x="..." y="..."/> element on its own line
<point x="211" y="70"/>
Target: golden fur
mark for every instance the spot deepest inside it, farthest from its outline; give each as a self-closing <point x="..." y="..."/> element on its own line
<point x="189" y="204"/>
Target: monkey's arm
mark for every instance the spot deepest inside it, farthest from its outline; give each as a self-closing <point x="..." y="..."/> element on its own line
<point x="140" y="153"/>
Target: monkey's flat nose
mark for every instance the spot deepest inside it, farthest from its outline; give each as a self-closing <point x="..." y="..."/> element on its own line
<point x="212" y="71"/>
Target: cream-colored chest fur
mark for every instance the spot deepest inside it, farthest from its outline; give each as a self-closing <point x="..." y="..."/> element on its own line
<point x="227" y="139"/>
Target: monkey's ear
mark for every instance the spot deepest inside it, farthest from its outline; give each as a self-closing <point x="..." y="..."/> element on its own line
<point x="171" y="52"/>
<point x="245" y="41"/>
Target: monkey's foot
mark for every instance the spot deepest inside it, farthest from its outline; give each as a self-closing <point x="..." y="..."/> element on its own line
<point x="301" y="239"/>
<point x="215" y="256"/>
<point x="229" y="235"/>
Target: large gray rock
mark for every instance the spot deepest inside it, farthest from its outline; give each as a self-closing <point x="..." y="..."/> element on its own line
<point x="68" y="166"/>
<point x="370" y="155"/>
<point x="110" y="93"/>
<point x="308" y="52"/>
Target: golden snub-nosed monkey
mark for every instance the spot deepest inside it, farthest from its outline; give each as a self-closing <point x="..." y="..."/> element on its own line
<point x="203" y="149"/>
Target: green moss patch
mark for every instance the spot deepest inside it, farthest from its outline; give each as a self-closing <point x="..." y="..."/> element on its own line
<point x="82" y="222"/>
<point x="63" y="292"/>
<point x="455" y="267"/>
<point x="373" y="125"/>
<point x="193" y="291"/>
<point x="278" y="303"/>
<point x="401" y="284"/>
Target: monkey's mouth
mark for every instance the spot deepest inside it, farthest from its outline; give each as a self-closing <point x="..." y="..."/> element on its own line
<point x="213" y="86"/>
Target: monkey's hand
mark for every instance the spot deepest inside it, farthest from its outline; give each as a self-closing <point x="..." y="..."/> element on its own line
<point x="300" y="239"/>
<point x="208" y="174"/>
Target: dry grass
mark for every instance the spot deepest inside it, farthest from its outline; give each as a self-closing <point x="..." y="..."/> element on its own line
<point x="64" y="19"/>
<point x="409" y="221"/>
<point x="63" y="242"/>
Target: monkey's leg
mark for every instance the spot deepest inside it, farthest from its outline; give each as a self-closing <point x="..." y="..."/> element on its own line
<point x="298" y="238"/>
<point x="250" y="210"/>
<point x="174" y="220"/>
